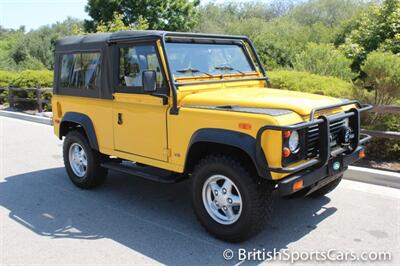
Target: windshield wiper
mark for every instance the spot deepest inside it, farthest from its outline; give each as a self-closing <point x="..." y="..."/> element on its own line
<point x="228" y="68"/>
<point x="192" y="70"/>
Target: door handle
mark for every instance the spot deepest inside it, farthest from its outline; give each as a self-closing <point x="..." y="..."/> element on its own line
<point x="120" y="120"/>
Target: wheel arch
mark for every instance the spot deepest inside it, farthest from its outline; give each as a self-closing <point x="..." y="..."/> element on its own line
<point x="212" y="140"/>
<point x="73" y="120"/>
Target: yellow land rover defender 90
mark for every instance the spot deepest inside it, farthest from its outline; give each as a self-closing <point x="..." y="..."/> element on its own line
<point x="171" y="106"/>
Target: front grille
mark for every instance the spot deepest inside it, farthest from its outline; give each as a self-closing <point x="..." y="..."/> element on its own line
<point x="313" y="137"/>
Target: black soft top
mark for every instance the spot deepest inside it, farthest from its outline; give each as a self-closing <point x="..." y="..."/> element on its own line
<point x="99" y="40"/>
<point x="108" y="37"/>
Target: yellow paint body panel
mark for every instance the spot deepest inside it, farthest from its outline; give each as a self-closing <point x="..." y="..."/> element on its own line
<point x="259" y="97"/>
<point x="99" y="111"/>
<point x="143" y="130"/>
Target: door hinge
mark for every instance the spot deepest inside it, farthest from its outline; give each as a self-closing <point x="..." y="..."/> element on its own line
<point x="167" y="153"/>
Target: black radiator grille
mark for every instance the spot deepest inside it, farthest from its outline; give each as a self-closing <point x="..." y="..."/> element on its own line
<point x="313" y="136"/>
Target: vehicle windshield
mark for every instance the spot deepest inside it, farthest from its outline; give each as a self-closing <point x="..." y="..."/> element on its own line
<point x="194" y="59"/>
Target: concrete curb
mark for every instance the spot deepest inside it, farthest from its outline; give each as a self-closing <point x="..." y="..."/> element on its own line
<point x="361" y="174"/>
<point x="373" y="176"/>
<point x="26" y="117"/>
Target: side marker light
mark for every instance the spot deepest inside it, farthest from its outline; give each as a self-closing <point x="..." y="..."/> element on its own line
<point x="298" y="185"/>
<point x="245" y="126"/>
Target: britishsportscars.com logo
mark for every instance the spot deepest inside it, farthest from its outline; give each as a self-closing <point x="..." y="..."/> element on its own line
<point x="286" y="255"/>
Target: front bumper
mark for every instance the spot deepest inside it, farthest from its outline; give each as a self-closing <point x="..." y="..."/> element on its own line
<point x="315" y="178"/>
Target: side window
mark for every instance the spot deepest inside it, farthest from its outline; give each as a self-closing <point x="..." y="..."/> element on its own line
<point x="135" y="59"/>
<point x="80" y="70"/>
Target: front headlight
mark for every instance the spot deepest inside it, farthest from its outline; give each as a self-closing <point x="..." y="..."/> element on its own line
<point x="294" y="142"/>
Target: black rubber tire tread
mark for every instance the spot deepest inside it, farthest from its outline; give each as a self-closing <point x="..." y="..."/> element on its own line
<point x="95" y="174"/>
<point x="257" y="198"/>
<point x="325" y="189"/>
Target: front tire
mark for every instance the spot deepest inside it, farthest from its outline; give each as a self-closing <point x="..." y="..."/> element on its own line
<point x="82" y="162"/>
<point x="229" y="202"/>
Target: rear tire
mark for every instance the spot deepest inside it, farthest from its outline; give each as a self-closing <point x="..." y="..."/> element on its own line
<point x="325" y="189"/>
<point x="82" y="162"/>
<point x="234" y="214"/>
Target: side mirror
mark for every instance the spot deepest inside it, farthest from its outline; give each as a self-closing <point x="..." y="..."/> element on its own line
<point x="149" y="80"/>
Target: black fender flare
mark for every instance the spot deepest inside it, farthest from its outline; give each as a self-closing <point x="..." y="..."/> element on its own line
<point x="236" y="139"/>
<point x="84" y="121"/>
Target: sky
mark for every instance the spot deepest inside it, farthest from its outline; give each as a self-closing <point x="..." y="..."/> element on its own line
<point x="35" y="13"/>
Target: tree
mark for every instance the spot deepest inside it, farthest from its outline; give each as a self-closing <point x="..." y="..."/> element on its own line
<point x="331" y="13"/>
<point x="383" y="76"/>
<point x="376" y="28"/>
<point x="117" y="24"/>
<point x="174" y="15"/>
<point x="324" y="59"/>
<point x="40" y="43"/>
<point x="279" y="29"/>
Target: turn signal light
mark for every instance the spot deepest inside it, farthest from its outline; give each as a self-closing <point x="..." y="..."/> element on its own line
<point x="286" y="134"/>
<point x="286" y="152"/>
<point x="361" y="154"/>
<point x="298" y="185"/>
<point x="246" y="126"/>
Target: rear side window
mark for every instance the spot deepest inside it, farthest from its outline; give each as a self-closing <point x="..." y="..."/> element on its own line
<point x="80" y="70"/>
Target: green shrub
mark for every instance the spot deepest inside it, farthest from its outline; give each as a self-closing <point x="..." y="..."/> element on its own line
<point x="324" y="59"/>
<point x="6" y="78"/>
<point x="383" y="149"/>
<point x="26" y="79"/>
<point x="312" y="83"/>
<point x="33" y="78"/>
<point x="383" y="76"/>
<point x="3" y="96"/>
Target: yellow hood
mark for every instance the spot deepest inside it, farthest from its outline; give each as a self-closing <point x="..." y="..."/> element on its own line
<point x="299" y="102"/>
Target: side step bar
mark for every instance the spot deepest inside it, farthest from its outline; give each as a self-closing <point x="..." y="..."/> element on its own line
<point x="149" y="173"/>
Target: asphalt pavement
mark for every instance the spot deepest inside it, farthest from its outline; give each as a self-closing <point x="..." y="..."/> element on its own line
<point x="45" y="220"/>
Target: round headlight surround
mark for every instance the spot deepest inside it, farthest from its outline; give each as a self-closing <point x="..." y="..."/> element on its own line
<point x="294" y="142"/>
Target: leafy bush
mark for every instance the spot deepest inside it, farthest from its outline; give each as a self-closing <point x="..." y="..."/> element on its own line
<point x="375" y="28"/>
<point x="324" y="59"/>
<point x="383" y="149"/>
<point x="383" y="76"/>
<point x="307" y="82"/>
<point x="33" y="78"/>
<point x="25" y="79"/>
<point x="3" y="96"/>
<point x="6" y="78"/>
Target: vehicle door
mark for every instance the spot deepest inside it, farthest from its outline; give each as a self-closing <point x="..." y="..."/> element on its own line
<point x="139" y="117"/>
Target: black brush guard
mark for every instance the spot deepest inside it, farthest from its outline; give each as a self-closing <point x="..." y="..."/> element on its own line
<point x="323" y="122"/>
